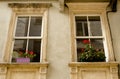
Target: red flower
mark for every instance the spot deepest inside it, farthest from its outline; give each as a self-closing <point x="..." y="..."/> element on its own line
<point x="82" y="49"/>
<point x="86" y="41"/>
<point x="20" y="53"/>
<point x="31" y="52"/>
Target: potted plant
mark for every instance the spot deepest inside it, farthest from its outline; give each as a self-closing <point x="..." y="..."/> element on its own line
<point x="25" y="56"/>
<point x="90" y="54"/>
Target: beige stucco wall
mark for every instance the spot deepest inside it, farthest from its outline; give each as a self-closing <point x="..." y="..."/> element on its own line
<point x="58" y="43"/>
<point x="58" y="52"/>
<point x="5" y="15"/>
<point x="114" y="18"/>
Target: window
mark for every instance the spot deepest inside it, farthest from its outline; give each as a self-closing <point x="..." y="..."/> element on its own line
<point x="89" y="28"/>
<point x="28" y="36"/>
<point x="89" y="22"/>
<point x="27" y="32"/>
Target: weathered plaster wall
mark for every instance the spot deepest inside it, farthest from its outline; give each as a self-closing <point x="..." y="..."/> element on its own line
<point x="114" y="19"/>
<point x="58" y="45"/>
<point x="5" y="16"/>
<point x="58" y="52"/>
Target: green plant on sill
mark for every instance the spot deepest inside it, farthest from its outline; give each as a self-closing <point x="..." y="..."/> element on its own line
<point x="90" y="54"/>
<point x="27" y="54"/>
<point x="20" y="54"/>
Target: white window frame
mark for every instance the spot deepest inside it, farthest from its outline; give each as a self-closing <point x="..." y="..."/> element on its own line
<point x="28" y="37"/>
<point x="79" y="9"/>
<point x="91" y="37"/>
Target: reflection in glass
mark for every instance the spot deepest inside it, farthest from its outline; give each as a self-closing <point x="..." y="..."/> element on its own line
<point x="35" y="26"/>
<point x="19" y="46"/>
<point x="80" y="46"/>
<point x="22" y="26"/>
<point x="95" y="44"/>
<point x="81" y="26"/>
<point x="35" y="46"/>
<point x="95" y="26"/>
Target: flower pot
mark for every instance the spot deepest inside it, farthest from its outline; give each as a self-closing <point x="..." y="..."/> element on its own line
<point x="22" y="60"/>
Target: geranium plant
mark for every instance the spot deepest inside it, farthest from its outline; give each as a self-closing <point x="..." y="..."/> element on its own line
<point x="27" y="54"/>
<point x="90" y="54"/>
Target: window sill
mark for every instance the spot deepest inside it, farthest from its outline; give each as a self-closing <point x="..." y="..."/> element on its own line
<point x="93" y="64"/>
<point x="36" y="64"/>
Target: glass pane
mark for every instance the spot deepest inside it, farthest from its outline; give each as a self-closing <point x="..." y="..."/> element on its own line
<point x="95" y="26"/>
<point x="35" y="47"/>
<point x="19" y="46"/>
<point x="80" y="47"/>
<point x="22" y="26"/>
<point x="97" y="44"/>
<point x="35" y="26"/>
<point x="81" y="26"/>
<point x="85" y="46"/>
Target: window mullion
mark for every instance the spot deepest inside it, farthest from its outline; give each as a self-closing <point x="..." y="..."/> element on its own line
<point x="88" y="23"/>
<point x="83" y="28"/>
<point x="29" y="26"/>
<point x="28" y="32"/>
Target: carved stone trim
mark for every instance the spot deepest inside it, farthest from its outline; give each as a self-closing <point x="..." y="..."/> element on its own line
<point x="35" y="70"/>
<point x="61" y="5"/>
<point x="114" y="72"/>
<point x="29" y="5"/>
<point x="42" y="72"/>
<point x="74" y="72"/>
<point x="107" y="70"/>
<point x="3" y="70"/>
<point x="87" y="6"/>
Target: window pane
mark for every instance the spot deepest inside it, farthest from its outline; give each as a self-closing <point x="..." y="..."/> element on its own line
<point x="35" y="46"/>
<point x="19" y="46"/>
<point x="95" y="26"/>
<point x="81" y="26"/>
<point x="89" y="45"/>
<point x="22" y="26"/>
<point x="80" y="47"/>
<point x="97" y="44"/>
<point x="35" y="26"/>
